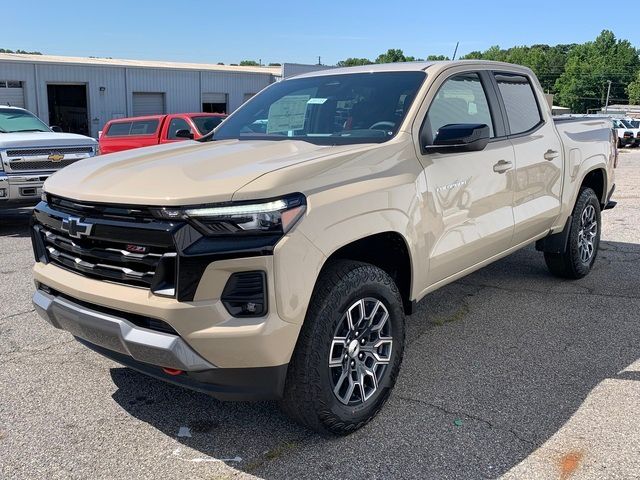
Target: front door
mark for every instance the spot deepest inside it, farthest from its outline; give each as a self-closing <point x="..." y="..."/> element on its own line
<point x="469" y="194"/>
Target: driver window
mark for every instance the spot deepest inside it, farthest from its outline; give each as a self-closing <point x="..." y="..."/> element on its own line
<point x="175" y="125"/>
<point x="461" y="99"/>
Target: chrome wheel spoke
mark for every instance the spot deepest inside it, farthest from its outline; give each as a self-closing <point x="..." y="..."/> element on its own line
<point x="360" y="351"/>
<point x="587" y="234"/>
<point x="336" y="354"/>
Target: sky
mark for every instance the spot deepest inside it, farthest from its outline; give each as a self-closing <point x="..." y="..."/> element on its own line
<point x="284" y="31"/>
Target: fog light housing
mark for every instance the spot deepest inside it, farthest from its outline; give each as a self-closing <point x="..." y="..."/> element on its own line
<point x="245" y="294"/>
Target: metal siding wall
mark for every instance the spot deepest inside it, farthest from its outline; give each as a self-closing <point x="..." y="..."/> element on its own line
<point x="181" y="88"/>
<point x="234" y="84"/>
<point x="103" y="106"/>
<point x="25" y="73"/>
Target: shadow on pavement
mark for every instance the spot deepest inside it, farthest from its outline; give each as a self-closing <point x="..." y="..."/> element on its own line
<point x="15" y="223"/>
<point x="495" y="365"/>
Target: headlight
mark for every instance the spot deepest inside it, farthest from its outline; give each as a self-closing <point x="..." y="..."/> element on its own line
<point x="269" y="217"/>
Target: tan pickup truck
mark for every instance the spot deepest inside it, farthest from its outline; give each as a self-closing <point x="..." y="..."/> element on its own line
<point x="279" y="256"/>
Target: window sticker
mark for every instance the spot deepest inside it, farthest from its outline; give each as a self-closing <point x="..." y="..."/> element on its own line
<point x="316" y="101"/>
<point x="287" y="114"/>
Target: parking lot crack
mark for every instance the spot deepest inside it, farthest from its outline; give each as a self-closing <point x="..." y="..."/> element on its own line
<point x="13" y="315"/>
<point x="461" y="413"/>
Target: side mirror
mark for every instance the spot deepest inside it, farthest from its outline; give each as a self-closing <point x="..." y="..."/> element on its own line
<point x="460" y="137"/>
<point x="184" y="133"/>
<point x="55" y="128"/>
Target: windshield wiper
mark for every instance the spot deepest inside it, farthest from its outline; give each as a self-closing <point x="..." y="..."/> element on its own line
<point x="2" y="130"/>
<point x="27" y="130"/>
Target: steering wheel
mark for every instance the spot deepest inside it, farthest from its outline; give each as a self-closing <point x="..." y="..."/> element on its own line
<point x="382" y="125"/>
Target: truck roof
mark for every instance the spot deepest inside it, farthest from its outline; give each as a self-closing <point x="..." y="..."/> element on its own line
<point x="161" y="116"/>
<point x="411" y="67"/>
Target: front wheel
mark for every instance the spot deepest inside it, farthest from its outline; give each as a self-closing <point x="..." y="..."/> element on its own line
<point x="349" y="351"/>
<point x="583" y="242"/>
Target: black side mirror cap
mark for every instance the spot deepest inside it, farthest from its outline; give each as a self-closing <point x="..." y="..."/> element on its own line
<point x="55" y="128"/>
<point x="184" y="133"/>
<point x="460" y="137"/>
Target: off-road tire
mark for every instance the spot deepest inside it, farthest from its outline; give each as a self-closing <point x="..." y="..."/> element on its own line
<point x="569" y="264"/>
<point x="309" y="396"/>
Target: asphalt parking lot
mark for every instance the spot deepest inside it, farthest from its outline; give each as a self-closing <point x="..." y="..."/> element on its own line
<point x="508" y="372"/>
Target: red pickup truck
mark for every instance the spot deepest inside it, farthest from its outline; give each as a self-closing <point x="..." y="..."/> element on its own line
<point x="128" y="133"/>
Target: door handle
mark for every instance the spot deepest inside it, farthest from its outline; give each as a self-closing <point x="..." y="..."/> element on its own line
<point x="550" y="154"/>
<point x="502" y="166"/>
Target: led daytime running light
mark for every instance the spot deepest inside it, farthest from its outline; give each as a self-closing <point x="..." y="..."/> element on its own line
<point x="268" y="207"/>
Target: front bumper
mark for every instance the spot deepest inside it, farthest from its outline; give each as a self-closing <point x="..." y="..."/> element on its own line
<point x="21" y="190"/>
<point x="150" y="351"/>
<point x="117" y="334"/>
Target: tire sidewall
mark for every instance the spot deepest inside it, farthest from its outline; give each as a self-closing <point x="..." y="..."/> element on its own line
<point x="587" y="197"/>
<point x="341" y="298"/>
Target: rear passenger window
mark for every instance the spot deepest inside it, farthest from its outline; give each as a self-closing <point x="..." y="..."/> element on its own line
<point x="144" y="127"/>
<point x="523" y="113"/>
<point x="119" y="129"/>
<point x="461" y="99"/>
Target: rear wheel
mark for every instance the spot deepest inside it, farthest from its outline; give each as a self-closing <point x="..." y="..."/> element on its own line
<point x="349" y="350"/>
<point x="583" y="242"/>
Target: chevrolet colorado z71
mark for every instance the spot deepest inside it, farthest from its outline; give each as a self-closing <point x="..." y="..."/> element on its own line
<point x="29" y="152"/>
<point x="278" y="257"/>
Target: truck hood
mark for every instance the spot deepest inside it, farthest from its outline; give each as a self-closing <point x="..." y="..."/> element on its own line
<point x="183" y="173"/>
<point x="43" y="139"/>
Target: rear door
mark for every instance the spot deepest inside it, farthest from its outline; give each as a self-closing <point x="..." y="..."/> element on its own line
<point x="538" y="156"/>
<point x="469" y="194"/>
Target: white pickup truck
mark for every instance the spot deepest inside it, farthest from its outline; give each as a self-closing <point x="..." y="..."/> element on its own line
<point x="278" y="257"/>
<point x="29" y="152"/>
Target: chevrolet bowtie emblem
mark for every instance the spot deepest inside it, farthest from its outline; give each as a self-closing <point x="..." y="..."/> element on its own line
<point x="55" y="157"/>
<point x="75" y="228"/>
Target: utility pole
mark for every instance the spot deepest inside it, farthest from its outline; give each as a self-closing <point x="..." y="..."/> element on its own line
<point x="319" y="62"/>
<point x="606" y="105"/>
<point x="455" y="51"/>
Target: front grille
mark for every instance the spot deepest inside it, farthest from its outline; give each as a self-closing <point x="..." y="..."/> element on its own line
<point x="40" y="164"/>
<point x="105" y="260"/>
<point x="34" y="152"/>
<point x="133" y="213"/>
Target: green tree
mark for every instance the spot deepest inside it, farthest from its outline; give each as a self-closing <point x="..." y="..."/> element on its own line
<point x="633" y="90"/>
<point x="275" y="64"/>
<point x="354" y="62"/>
<point x="249" y="63"/>
<point x="392" y="55"/>
<point x="589" y="67"/>
<point x="436" y="58"/>
<point x="6" y="50"/>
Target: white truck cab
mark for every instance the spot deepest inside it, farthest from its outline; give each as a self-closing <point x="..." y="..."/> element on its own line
<point x="30" y="151"/>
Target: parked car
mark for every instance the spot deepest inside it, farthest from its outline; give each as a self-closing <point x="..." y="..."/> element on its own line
<point x="628" y="135"/>
<point x="277" y="257"/>
<point x="128" y="133"/>
<point x="30" y="151"/>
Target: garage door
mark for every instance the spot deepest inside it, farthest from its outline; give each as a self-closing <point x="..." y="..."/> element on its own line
<point x="146" y="103"/>
<point x="214" y="98"/>
<point x="11" y="93"/>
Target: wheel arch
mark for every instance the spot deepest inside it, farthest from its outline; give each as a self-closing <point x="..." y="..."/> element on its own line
<point x="387" y="250"/>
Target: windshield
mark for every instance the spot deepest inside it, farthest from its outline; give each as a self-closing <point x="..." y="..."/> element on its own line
<point x="13" y="120"/>
<point x="327" y="109"/>
<point x="206" y="124"/>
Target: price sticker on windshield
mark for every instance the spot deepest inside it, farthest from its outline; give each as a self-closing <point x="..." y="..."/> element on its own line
<point x="287" y="114"/>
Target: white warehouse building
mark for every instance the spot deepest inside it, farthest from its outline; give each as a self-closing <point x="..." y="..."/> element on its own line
<point x="81" y="94"/>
